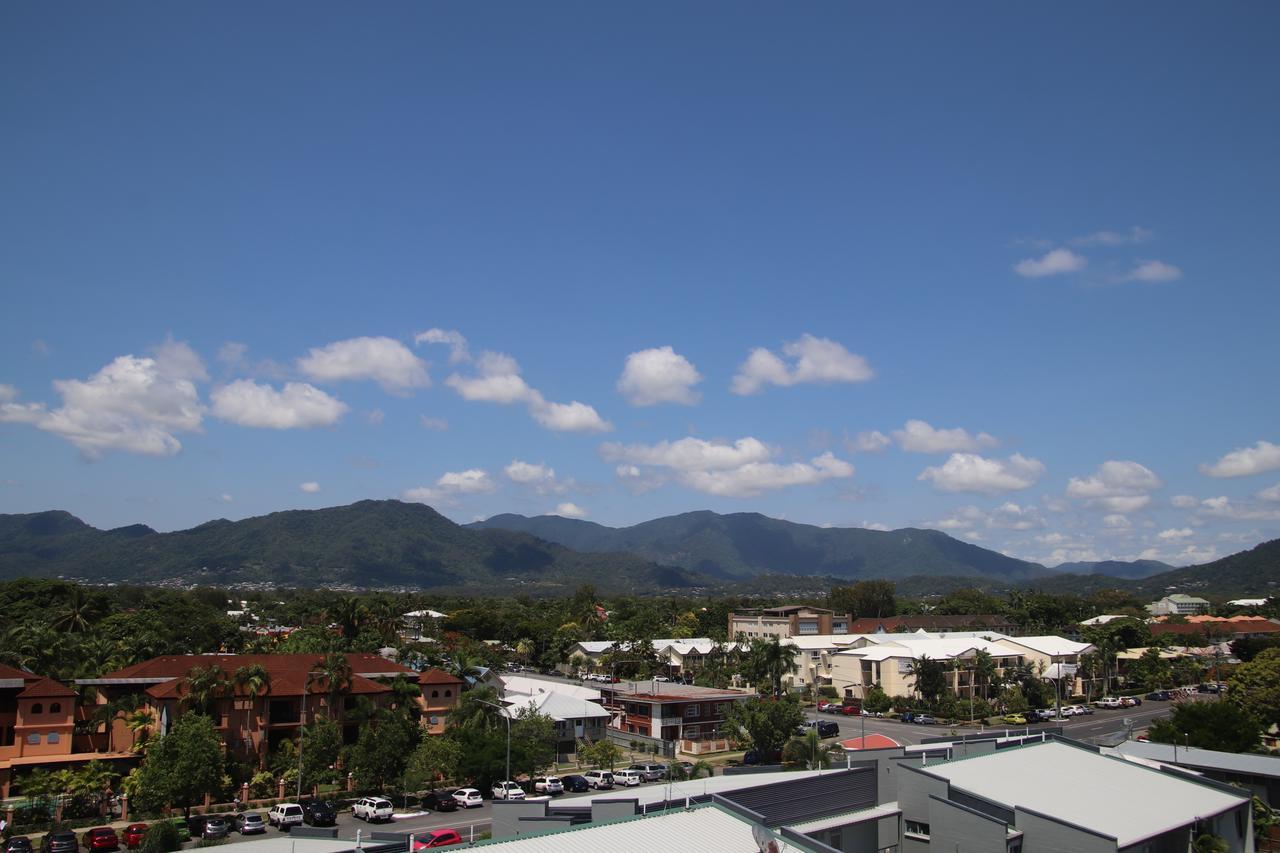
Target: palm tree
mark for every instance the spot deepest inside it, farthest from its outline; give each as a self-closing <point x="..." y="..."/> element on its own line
<point x="333" y="672"/>
<point x="769" y="659"/>
<point x="807" y="750"/>
<point x="78" y="612"/>
<point x="140" y="723"/>
<point x="984" y="670"/>
<point x="251" y="681"/>
<point x="350" y="613"/>
<point x="202" y="686"/>
<point x="464" y="665"/>
<point x="108" y="712"/>
<point x="476" y="710"/>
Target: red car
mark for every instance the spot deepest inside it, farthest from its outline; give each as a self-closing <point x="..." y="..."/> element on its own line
<point x="101" y="838"/>
<point x="849" y="710"/>
<point x="436" y="838"/>
<point x="133" y="835"/>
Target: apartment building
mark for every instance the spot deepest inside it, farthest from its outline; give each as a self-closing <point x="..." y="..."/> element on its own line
<point x="1179" y="604"/>
<point x="789" y="621"/>
<point x="670" y="711"/>
<point x="891" y="663"/>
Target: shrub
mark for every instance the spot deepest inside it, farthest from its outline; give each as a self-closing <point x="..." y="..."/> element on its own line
<point x="827" y="691"/>
<point x="161" y="837"/>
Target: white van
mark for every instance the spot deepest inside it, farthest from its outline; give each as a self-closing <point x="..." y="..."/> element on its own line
<point x="285" y="815"/>
<point x="628" y="778"/>
<point x="599" y="778"/>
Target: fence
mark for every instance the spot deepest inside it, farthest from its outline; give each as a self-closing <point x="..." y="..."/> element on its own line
<point x="656" y="746"/>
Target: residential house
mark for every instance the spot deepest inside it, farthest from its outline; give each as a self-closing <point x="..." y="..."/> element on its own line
<point x="891" y="663"/>
<point x="575" y="719"/>
<point x="678" y="656"/>
<point x="668" y="711"/>
<point x="1179" y="604"/>
<point x="814" y="656"/>
<point x="441" y="693"/>
<point x="1052" y="657"/>
<point x="790" y="621"/>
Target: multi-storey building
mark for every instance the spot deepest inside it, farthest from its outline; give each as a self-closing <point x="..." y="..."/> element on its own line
<point x="790" y="621"/>
<point x="670" y="712"/>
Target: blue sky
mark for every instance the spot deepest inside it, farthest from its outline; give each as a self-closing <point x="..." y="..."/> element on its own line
<point x="1005" y="271"/>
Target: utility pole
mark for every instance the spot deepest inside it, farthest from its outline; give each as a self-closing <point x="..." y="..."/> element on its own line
<point x="506" y="716"/>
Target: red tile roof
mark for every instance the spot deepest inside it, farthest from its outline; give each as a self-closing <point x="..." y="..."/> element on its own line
<point x="7" y="671"/>
<point x="47" y="688"/>
<point x="277" y="666"/>
<point x="438" y="676"/>
<point x="290" y="683"/>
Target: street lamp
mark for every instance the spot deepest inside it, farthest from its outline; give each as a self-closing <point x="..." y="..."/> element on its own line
<point x="862" y="708"/>
<point x="506" y="716"/>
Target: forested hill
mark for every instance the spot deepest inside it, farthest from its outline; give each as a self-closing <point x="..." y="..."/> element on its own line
<point x="367" y="544"/>
<point x="743" y="545"/>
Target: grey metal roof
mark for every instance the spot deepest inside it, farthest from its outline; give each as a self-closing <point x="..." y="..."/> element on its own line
<point x="1208" y="759"/>
<point x="794" y="800"/>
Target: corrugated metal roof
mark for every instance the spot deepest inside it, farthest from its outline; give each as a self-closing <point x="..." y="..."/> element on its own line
<point x="783" y="803"/>
<point x="1208" y="759"/>
<point x="845" y="818"/>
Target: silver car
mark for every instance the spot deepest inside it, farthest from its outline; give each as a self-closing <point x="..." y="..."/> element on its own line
<point x="251" y="823"/>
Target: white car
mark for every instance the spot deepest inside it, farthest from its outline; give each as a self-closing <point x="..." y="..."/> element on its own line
<point x="468" y="798"/>
<point x="548" y="785"/>
<point x="628" y="778"/>
<point x="285" y="815"/>
<point x="599" y="779"/>
<point x="507" y="791"/>
<point x="371" y="809"/>
<point x="1108" y="702"/>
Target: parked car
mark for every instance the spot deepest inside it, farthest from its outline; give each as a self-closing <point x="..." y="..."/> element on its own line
<point x="828" y="707"/>
<point x="507" y="791"/>
<point x="575" y="784"/>
<point x="1015" y="719"/>
<point x="650" y="772"/>
<point x="1083" y="709"/>
<point x="750" y="757"/>
<point x="1159" y="696"/>
<point x="18" y="844"/>
<point x="686" y="767"/>
<point x="1108" y="702"/>
<point x="926" y="719"/>
<point x="1211" y="687"/>
<point x="440" y="801"/>
<point x="468" y="798"/>
<point x="436" y="838"/>
<point x="370" y="809"/>
<point x="548" y="785"/>
<point x="285" y="816"/>
<point x="179" y="826"/>
<point x="250" y="823"/>
<point x="195" y="825"/>
<point x="599" y="779"/>
<point x="101" y="838"/>
<point x="1129" y="701"/>
<point x="908" y="716"/>
<point x="133" y="835"/>
<point x="61" y="841"/>
<point x="216" y="826"/>
<point x="849" y="710"/>
<point x="320" y="813"/>
<point x="627" y="778"/>
<point x="828" y="728"/>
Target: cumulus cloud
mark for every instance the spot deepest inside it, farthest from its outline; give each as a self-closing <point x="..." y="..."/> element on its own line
<point x="437" y="424"/>
<point x="813" y="360"/>
<point x="457" y="344"/>
<point x="1271" y="494"/>
<point x="1174" y="534"/>
<point x="1007" y="516"/>
<point x="134" y="405"/>
<point x="1154" y="271"/>
<point x="296" y="406"/>
<point x="1054" y="262"/>
<point x="1136" y="234"/>
<point x="739" y="469"/>
<point x="450" y="485"/>
<point x="8" y="393"/>
<point x="1184" y="501"/>
<point x="539" y="477"/>
<point x="310" y="488"/>
<point x="659" y="375"/>
<point x="870" y="441"/>
<point x="569" y="417"/>
<point x="570" y="510"/>
<point x="383" y="360"/>
<point x="1117" y="486"/>
<point x="234" y="355"/>
<point x="969" y="472"/>
<point x="919" y="437"/>
<point x="1225" y="508"/>
<point x="1245" y="461"/>
<point x="1116" y="521"/>
<point x="874" y="525"/>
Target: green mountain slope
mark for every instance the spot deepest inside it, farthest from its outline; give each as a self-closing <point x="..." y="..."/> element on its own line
<point x="368" y="544"/>
<point x="744" y="545"/>
<point x="1115" y="568"/>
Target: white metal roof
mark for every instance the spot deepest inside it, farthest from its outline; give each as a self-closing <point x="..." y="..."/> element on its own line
<point x="813" y="642"/>
<point x="1124" y="800"/>
<point x="526" y="686"/>
<point x="1050" y="645"/>
<point x="846" y="818"/>
<point x="935" y="648"/>
<point x="1208" y="759"/>
<point x="557" y="706"/>
<point x="706" y="828"/>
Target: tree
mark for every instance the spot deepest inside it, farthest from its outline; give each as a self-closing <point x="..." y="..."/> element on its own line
<point x="1151" y="671"/>
<point x="1220" y="725"/>
<point x="601" y="753"/>
<point x="1255" y="687"/>
<point x="332" y="674"/>
<point x="181" y="767"/>
<point x="767" y="660"/>
<point x="379" y="756"/>
<point x="808" y="750"/>
<point x="930" y="678"/>
<point x="321" y="745"/>
<point x="877" y="700"/>
<point x="201" y="686"/>
<point x="436" y="758"/>
<point x="864" y="599"/>
<point x="985" y="671"/>
<point x="533" y="741"/>
<point x="767" y="724"/>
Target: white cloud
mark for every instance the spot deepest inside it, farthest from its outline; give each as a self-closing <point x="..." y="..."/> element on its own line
<point x="919" y="437"/>
<point x="233" y="354"/>
<point x="874" y="525"/>
<point x="1007" y="516"/>
<point x="659" y="375"/>
<point x="569" y="417"/>
<point x="135" y="405"/>
<point x="814" y="360"/>
<point x="1136" y="234"/>
<point x="225" y="498"/>
<point x="438" y="424"/>
<point x="1271" y="494"/>
<point x="1245" y="461"/>
<point x="871" y="441"/>
<point x="1224" y="507"/>
<point x="740" y="469"/>
<point x="1184" y="501"/>
<point x="8" y="393"/>
<point x="1117" y="486"/>
<point x="1116" y="521"/>
<point x="1173" y="534"/>
<point x="1154" y="271"/>
<point x="570" y="510"/>
<point x="375" y="417"/>
<point x="451" y="484"/>
<point x="39" y="347"/>
<point x="456" y="343"/>
<point x="1055" y="262"/>
<point x="1193" y="554"/>
<point x="383" y="360"/>
<point x="538" y="476"/>
<point x="310" y="488"/>
<point x="296" y="406"/>
<point x="969" y="472"/>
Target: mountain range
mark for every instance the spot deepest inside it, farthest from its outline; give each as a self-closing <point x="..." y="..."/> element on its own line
<point x="395" y="544"/>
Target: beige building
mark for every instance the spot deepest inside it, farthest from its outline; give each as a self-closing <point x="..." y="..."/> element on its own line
<point x="790" y="621"/>
<point x="891" y="663"/>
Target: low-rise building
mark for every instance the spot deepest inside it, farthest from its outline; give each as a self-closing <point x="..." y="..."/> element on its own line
<point x="441" y="692"/>
<point x="1179" y="604"/>
<point x="795" y="620"/>
<point x="683" y="713"/>
<point x="891" y="663"/>
<point x="1259" y="774"/>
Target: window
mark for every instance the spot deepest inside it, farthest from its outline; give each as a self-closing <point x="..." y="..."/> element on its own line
<point x="448" y="693"/>
<point x="916" y="828"/>
<point x="435" y="721"/>
<point x="37" y="708"/>
<point x="33" y="739"/>
<point x="435" y="694"/>
<point x="808" y="627"/>
<point x="52" y="737"/>
<point x="55" y="708"/>
<point x="692" y="711"/>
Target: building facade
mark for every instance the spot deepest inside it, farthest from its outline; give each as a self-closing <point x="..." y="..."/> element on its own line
<point x="789" y="621"/>
<point x="670" y="712"/>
